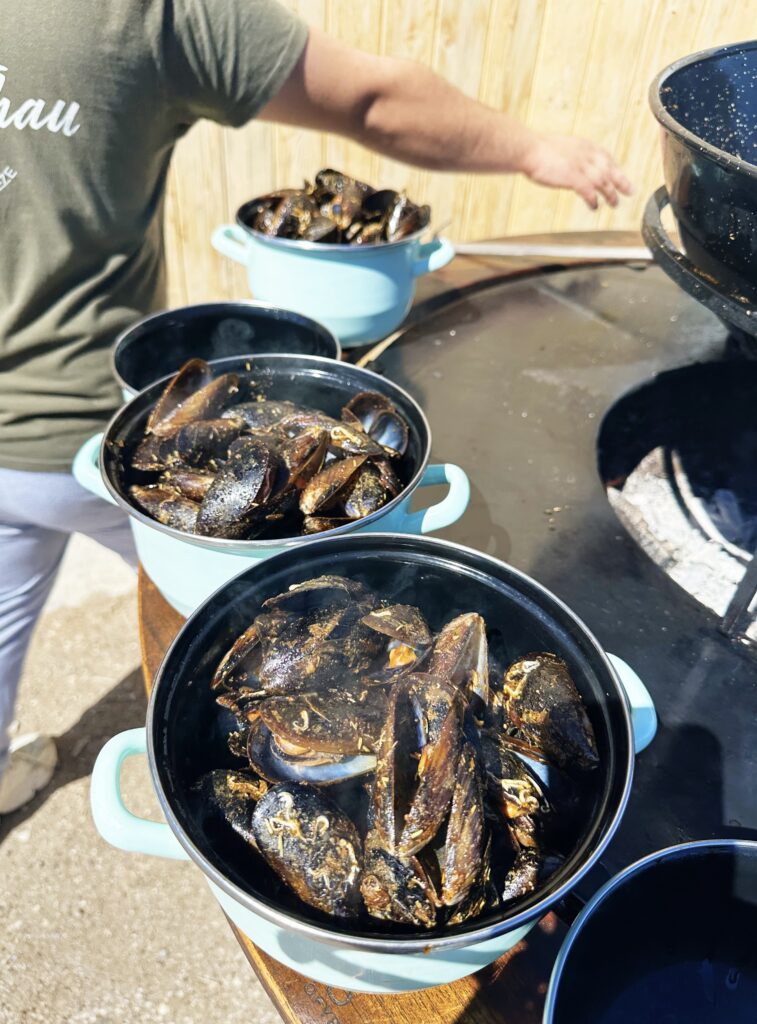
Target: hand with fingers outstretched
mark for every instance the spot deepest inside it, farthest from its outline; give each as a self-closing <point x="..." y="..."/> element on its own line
<point x="566" y="161"/>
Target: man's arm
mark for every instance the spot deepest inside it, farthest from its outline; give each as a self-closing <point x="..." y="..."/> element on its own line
<point x="407" y="112"/>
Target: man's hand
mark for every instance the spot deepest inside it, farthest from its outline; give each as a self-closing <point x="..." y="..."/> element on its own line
<point x="564" y="161"/>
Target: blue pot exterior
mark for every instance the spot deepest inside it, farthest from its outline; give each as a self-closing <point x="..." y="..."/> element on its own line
<point x="361" y="971"/>
<point x="361" y="294"/>
<point x="187" y="573"/>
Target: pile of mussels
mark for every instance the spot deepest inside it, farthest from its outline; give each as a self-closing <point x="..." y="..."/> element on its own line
<point x="337" y="209"/>
<point x="220" y="459"/>
<point x="395" y="772"/>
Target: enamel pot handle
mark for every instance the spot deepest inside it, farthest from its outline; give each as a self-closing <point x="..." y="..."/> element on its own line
<point x="449" y="509"/>
<point x="86" y="468"/>
<point x="643" y="714"/>
<point x="432" y="256"/>
<point x="113" y="821"/>
<point x="230" y="240"/>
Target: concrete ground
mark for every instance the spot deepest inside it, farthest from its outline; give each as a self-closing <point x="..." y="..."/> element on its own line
<point x="88" y="934"/>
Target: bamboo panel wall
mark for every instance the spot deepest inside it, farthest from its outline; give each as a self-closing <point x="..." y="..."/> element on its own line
<point x="579" y="66"/>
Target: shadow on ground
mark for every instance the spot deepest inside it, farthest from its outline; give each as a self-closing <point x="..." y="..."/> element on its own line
<point x="121" y="708"/>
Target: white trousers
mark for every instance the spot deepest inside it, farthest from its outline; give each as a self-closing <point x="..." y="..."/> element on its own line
<point x="38" y="514"/>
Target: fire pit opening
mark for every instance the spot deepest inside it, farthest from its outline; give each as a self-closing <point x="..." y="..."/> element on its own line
<point x="678" y="458"/>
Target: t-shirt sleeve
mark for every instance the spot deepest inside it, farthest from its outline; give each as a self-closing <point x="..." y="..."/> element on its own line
<point x="225" y="59"/>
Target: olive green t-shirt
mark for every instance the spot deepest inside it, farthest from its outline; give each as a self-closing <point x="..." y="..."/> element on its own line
<point x="93" y="96"/>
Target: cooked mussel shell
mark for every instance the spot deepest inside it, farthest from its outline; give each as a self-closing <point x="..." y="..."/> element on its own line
<point x="390" y="431"/>
<point x="321" y="229"/>
<point x="319" y="524"/>
<point x="403" y="218"/>
<point x="312" y="846"/>
<point x="464" y="842"/>
<point x="402" y="622"/>
<point x="292" y="659"/>
<point x="278" y="761"/>
<point x="378" y="204"/>
<point x="166" y="506"/>
<point x="192" y="376"/>
<point x="389" y="478"/>
<point x="191" y="483"/>
<point x="303" y="456"/>
<point x="324" y="490"/>
<point x="365" y="494"/>
<point x="328" y="180"/>
<point x="523" y="877"/>
<point x="395" y="889"/>
<point x="369" y="234"/>
<point x="461" y="655"/>
<point x="232" y="505"/>
<point x="512" y="787"/>
<point x="318" y="592"/>
<point x="334" y="720"/>
<point x="542" y="702"/>
<point x="292" y="216"/>
<point x="240" y="664"/>
<point x="207" y="403"/>
<point x="365" y="407"/>
<point x="345" y="439"/>
<point x="438" y="712"/>
<point x="234" y="794"/>
<point x="261" y="414"/>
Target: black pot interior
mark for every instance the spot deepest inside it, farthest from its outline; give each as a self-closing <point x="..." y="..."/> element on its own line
<point x="323" y="384"/>
<point x="715" y="98"/>
<point x="675" y="943"/>
<point x="189" y="730"/>
<point x="160" y="345"/>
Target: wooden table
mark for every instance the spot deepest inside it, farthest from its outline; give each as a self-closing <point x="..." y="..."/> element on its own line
<point x="512" y="990"/>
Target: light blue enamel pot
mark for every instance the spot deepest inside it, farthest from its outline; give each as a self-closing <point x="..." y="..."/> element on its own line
<point x="185" y="736"/>
<point x="187" y="568"/>
<point x="360" y="293"/>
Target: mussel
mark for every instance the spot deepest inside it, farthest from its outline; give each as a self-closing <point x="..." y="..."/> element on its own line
<point x="312" y="845"/>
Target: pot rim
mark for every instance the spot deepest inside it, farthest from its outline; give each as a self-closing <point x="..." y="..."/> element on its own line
<point x="398" y="945"/>
<point x="197" y="308"/>
<point x="332" y="248"/>
<point x="243" y="546"/>
<point x="638" y="866"/>
<point x="670" y="123"/>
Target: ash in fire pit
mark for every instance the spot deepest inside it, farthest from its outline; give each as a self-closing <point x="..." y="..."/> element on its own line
<point x="678" y="457"/>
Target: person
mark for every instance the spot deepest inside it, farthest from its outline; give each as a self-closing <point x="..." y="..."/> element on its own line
<point x="93" y="99"/>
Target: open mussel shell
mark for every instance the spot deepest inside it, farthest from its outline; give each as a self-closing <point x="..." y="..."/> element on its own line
<point x="278" y="763"/>
<point x="206" y="403"/>
<point x="365" y="406"/>
<point x="333" y="720"/>
<point x="240" y="664"/>
<point x="324" y="490"/>
<point x="192" y="376"/>
<point x="461" y="655"/>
